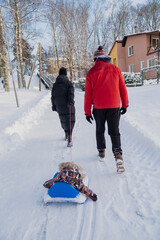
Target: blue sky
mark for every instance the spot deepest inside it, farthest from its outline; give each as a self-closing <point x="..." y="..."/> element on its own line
<point x="139" y="1"/>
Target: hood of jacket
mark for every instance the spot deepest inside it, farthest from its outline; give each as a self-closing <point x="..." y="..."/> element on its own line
<point x="61" y="78"/>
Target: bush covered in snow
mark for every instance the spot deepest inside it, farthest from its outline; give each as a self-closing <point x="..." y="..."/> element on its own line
<point x="132" y="78"/>
<point x="82" y="82"/>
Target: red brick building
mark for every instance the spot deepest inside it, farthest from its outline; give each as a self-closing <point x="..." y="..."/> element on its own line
<point x="137" y="51"/>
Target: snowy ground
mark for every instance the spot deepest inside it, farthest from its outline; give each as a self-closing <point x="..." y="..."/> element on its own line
<point x="31" y="147"/>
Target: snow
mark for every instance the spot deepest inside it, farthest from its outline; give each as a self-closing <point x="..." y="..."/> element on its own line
<point x="31" y="147"/>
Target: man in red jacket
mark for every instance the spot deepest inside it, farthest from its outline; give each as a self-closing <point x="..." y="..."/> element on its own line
<point x="105" y="89"/>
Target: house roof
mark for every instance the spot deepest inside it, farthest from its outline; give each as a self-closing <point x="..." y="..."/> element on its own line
<point x="117" y="41"/>
<point x="135" y="34"/>
<point x="123" y="41"/>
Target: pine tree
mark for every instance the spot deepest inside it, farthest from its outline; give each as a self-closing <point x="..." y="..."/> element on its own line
<point x="27" y="56"/>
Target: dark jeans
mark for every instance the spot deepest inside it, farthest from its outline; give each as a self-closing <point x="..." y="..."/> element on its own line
<point x="112" y="117"/>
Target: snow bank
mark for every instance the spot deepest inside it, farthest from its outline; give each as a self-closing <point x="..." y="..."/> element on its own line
<point x="127" y="205"/>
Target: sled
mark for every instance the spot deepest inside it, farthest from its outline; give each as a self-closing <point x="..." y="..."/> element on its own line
<point x="65" y="192"/>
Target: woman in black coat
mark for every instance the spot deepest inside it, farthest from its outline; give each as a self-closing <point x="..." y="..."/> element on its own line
<point x="62" y="99"/>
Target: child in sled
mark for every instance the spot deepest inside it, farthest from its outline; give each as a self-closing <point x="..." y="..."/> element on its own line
<point x="72" y="173"/>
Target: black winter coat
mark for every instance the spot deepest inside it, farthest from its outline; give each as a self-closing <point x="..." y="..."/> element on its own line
<point x="62" y="99"/>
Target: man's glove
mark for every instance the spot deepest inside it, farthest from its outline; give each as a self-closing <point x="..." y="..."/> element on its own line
<point x="89" y="118"/>
<point x="123" y="111"/>
<point x="53" y="108"/>
<point x="93" y="197"/>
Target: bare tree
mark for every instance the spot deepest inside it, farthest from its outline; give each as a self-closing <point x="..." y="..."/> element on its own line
<point x="18" y="38"/>
<point x="71" y="33"/>
<point x="147" y="16"/>
<point x="22" y="12"/>
<point x="54" y="22"/>
<point x="119" y="19"/>
<point x="3" y="54"/>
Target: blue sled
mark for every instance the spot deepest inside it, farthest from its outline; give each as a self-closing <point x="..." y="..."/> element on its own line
<point x="65" y="192"/>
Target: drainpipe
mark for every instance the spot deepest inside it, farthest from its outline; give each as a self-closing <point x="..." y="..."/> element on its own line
<point x="158" y="68"/>
<point x="142" y="77"/>
<point x="158" y="49"/>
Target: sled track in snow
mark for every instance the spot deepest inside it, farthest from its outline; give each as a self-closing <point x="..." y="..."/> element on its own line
<point x="85" y="222"/>
<point x="85" y="213"/>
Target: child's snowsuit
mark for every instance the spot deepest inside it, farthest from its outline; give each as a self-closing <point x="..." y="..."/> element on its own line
<point x="72" y="176"/>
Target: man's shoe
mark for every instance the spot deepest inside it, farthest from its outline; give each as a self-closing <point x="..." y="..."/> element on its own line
<point x="101" y="155"/>
<point x="119" y="163"/>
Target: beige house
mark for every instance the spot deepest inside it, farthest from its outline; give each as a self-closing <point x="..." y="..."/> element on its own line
<point x="52" y="66"/>
<point x="137" y="51"/>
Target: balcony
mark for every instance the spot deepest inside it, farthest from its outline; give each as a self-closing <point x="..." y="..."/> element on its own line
<point x="152" y="49"/>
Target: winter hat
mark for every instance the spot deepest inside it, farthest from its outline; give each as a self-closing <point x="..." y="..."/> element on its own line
<point x="100" y="53"/>
<point x="63" y="71"/>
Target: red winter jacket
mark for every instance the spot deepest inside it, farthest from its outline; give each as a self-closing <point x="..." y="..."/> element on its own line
<point x="105" y="88"/>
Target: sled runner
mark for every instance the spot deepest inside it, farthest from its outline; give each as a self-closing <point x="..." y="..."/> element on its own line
<point x="65" y="192"/>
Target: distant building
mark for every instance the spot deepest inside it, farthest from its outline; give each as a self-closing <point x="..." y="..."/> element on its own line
<point x="137" y="51"/>
<point x="52" y="65"/>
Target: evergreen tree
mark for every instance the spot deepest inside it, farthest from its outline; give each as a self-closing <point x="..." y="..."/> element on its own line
<point x="27" y="56"/>
<point x="44" y="60"/>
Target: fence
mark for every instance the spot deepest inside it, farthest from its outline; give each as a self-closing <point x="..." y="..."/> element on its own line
<point x="46" y="81"/>
<point x="150" y="73"/>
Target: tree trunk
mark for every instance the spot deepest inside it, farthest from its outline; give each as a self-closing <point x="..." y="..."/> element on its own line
<point x="19" y="43"/>
<point x="12" y="7"/>
<point x="17" y="55"/>
<point x="3" y="55"/>
<point x="55" y="42"/>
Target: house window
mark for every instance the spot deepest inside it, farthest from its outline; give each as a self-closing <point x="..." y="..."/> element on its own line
<point x="142" y="65"/>
<point x="115" y="61"/>
<point x="131" y="68"/>
<point x="130" y="51"/>
<point x="155" y="42"/>
<point x="151" y="62"/>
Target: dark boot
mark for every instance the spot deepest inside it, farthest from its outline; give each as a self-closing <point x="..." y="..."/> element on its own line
<point x="66" y="135"/>
<point x="69" y="144"/>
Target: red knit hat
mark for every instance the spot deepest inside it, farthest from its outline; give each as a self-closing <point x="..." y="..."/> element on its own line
<point x="100" y="53"/>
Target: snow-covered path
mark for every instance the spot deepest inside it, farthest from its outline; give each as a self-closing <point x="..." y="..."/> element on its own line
<point x="127" y="206"/>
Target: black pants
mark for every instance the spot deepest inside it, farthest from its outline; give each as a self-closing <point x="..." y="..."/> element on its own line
<point x="112" y="116"/>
